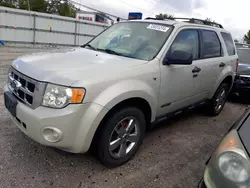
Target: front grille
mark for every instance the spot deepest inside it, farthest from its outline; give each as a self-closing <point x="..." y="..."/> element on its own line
<point x="22" y="87"/>
<point x="26" y="89"/>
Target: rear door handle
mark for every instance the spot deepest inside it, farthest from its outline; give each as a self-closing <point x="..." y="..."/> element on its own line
<point x="196" y="70"/>
<point x="222" y="64"/>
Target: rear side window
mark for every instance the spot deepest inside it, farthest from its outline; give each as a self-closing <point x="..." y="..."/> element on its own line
<point x="211" y="46"/>
<point x="229" y="43"/>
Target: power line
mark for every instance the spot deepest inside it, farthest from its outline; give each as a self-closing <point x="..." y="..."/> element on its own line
<point x="122" y="1"/>
<point x="159" y="2"/>
<point x="79" y="4"/>
<point x="135" y="6"/>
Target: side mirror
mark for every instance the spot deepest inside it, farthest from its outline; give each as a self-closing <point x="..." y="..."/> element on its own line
<point x="179" y="57"/>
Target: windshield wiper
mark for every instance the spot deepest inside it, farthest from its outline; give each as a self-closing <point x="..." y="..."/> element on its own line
<point x="89" y="45"/>
<point x="109" y="51"/>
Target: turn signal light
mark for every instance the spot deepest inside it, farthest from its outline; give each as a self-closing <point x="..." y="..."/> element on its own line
<point x="77" y="95"/>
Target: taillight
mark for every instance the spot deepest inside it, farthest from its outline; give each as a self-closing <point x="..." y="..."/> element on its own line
<point x="237" y="64"/>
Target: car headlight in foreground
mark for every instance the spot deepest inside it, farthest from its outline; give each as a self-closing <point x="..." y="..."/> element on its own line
<point x="56" y="96"/>
<point x="234" y="166"/>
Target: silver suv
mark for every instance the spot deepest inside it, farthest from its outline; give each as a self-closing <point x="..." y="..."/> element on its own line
<point x="106" y="94"/>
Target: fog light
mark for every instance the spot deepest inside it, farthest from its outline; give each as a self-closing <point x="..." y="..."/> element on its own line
<point x="52" y="134"/>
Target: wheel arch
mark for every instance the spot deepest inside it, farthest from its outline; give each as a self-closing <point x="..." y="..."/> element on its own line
<point x="140" y="103"/>
<point x="228" y="78"/>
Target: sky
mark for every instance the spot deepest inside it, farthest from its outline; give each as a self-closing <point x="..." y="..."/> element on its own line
<point x="232" y="14"/>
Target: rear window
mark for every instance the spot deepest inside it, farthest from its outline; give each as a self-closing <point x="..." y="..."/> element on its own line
<point x="229" y="43"/>
<point x="211" y="44"/>
<point x="244" y="55"/>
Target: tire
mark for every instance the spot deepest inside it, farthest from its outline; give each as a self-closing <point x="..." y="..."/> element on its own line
<point x="116" y="130"/>
<point x="215" y="107"/>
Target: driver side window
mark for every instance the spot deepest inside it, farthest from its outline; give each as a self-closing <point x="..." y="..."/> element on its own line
<point x="186" y="40"/>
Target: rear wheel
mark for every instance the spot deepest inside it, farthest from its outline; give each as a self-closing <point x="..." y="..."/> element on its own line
<point x="218" y="101"/>
<point x="121" y="136"/>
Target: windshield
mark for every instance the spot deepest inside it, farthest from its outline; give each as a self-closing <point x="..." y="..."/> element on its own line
<point x="244" y="55"/>
<point x="132" y="39"/>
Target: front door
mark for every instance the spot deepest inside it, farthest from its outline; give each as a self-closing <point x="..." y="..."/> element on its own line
<point x="177" y="88"/>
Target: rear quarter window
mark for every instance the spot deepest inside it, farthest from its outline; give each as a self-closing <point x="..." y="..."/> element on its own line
<point x="229" y="43"/>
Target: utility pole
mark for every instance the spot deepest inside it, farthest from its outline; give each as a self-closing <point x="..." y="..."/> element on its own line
<point x="29" y="5"/>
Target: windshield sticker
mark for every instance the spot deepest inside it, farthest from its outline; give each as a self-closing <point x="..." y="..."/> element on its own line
<point x="161" y="28"/>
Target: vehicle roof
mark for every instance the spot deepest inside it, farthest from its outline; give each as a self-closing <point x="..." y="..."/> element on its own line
<point x="180" y="24"/>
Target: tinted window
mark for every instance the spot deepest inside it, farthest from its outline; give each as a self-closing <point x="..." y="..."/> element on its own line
<point x="229" y="43"/>
<point x="244" y="55"/>
<point x="211" y="44"/>
<point x="186" y="40"/>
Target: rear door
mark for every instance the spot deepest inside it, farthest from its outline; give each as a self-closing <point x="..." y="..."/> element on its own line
<point x="211" y="60"/>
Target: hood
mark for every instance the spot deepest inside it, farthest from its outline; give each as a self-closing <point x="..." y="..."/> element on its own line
<point x="65" y="67"/>
<point x="244" y="68"/>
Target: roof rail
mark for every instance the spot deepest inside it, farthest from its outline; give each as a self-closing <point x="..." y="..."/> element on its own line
<point x="150" y="18"/>
<point x="191" y="20"/>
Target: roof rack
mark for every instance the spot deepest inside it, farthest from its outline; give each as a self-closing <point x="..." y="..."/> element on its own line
<point x="190" y="20"/>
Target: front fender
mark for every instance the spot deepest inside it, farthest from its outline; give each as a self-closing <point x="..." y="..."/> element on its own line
<point x="127" y="89"/>
<point x="227" y="71"/>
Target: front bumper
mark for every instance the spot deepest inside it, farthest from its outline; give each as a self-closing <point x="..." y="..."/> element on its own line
<point x="77" y="124"/>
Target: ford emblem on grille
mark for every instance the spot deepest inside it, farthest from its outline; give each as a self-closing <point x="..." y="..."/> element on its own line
<point x="15" y="85"/>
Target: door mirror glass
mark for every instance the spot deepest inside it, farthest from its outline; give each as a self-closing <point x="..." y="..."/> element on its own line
<point x="179" y="57"/>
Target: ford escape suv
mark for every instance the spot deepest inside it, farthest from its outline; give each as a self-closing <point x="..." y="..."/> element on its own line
<point x="105" y="94"/>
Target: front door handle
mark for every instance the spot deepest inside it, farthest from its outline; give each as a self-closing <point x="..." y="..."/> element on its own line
<point x="196" y="70"/>
<point x="222" y="64"/>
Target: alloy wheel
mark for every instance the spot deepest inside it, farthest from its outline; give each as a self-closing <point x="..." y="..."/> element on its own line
<point x="220" y="99"/>
<point x="124" y="137"/>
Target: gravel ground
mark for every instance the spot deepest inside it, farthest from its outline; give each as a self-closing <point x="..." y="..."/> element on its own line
<point x="172" y="155"/>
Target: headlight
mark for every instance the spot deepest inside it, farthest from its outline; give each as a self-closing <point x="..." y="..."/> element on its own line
<point x="234" y="166"/>
<point x="59" y="96"/>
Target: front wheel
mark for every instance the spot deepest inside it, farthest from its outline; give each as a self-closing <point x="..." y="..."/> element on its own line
<point x="218" y="101"/>
<point x="121" y="136"/>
